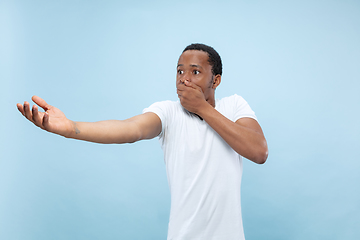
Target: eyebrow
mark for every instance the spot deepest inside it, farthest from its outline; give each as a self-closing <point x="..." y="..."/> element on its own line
<point x="191" y="65"/>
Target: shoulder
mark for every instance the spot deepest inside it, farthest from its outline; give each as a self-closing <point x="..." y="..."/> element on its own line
<point x="230" y="102"/>
<point x="165" y="110"/>
<point x="235" y="107"/>
<point x="232" y="99"/>
<point x="162" y="105"/>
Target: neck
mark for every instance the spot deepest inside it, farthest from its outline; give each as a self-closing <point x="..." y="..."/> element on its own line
<point x="211" y="100"/>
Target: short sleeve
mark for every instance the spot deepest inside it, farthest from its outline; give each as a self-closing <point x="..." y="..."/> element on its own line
<point x="242" y="108"/>
<point x="161" y="109"/>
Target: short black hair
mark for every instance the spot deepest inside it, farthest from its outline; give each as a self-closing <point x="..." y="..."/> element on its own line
<point x="214" y="57"/>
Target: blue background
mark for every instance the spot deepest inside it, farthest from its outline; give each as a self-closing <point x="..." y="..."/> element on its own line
<point x="297" y="63"/>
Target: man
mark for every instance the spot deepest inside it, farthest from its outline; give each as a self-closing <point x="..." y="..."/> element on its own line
<point x="203" y="140"/>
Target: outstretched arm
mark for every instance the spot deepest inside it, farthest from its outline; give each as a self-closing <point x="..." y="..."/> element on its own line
<point x="143" y="126"/>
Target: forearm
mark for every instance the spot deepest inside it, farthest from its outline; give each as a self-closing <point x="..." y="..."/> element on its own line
<point x="143" y="126"/>
<point x="109" y="131"/>
<point x="245" y="141"/>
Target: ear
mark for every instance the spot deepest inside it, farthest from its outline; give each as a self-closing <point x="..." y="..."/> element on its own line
<point x="216" y="82"/>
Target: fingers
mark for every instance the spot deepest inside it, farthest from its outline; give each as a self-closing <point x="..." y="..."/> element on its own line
<point x="20" y="108"/>
<point x="27" y="112"/>
<point x="189" y="87"/>
<point x="45" y="121"/>
<point x="36" y="118"/>
<point x="32" y="114"/>
<point x="192" y="85"/>
<point x="184" y="86"/>
<point x="41" y="102"/>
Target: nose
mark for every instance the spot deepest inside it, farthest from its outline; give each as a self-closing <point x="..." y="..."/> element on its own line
<point x="184" y="77"/>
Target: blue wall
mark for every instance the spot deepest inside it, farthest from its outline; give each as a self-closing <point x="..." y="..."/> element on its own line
<point x="296" y="63"/>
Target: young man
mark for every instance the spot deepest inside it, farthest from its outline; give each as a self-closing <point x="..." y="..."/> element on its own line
<point x="203" y="140"/>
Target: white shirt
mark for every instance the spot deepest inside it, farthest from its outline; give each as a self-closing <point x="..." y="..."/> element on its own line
<point x="204" y="172"/>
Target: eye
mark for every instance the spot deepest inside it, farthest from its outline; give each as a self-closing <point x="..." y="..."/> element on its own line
<point x="180" y="71"/>
<point x="196" y="72"/>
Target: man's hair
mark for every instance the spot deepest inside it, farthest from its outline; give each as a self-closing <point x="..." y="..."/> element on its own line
<point x="214" y="58"/>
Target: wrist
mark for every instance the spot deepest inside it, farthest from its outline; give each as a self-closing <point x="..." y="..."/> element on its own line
<point x="204" y="109"/>
<point x="72" y="131"/>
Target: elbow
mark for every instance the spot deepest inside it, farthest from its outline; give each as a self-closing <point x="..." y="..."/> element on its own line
<point x="129" y="137"/>
<point x="259" y="156"/>
<point x="262" y="155"/>
<point x="134" y="134"/>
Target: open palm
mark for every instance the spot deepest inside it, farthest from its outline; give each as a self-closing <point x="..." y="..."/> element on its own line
<point x="52" y="120"/>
